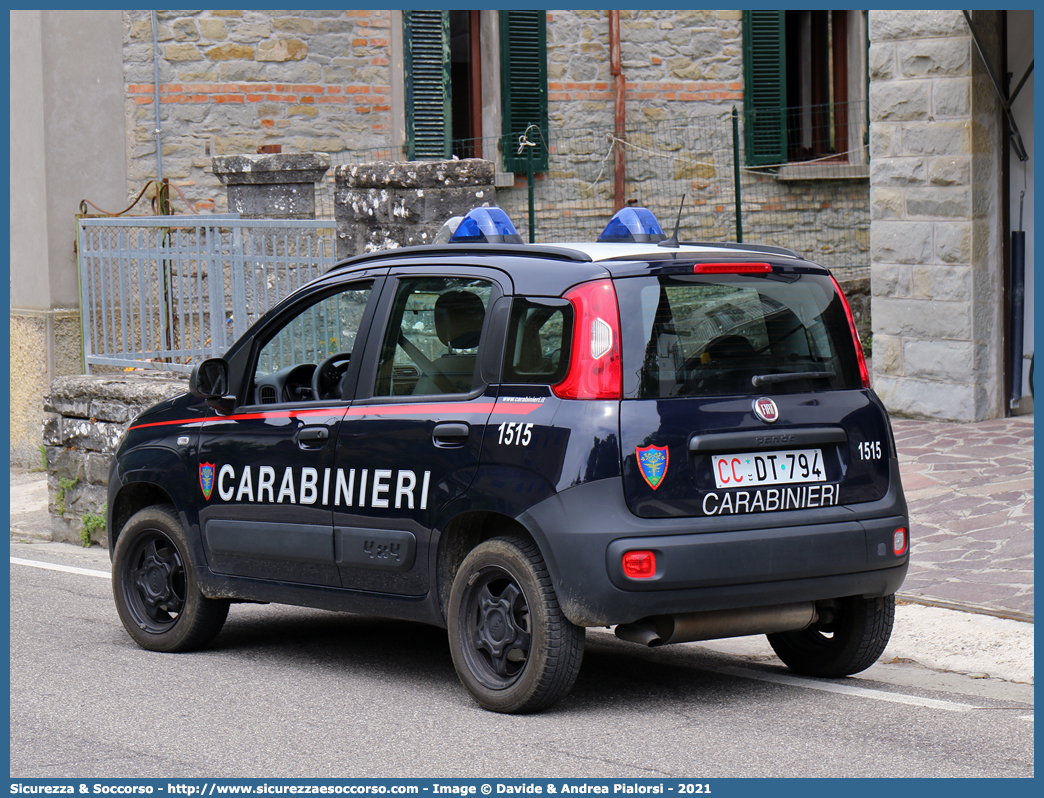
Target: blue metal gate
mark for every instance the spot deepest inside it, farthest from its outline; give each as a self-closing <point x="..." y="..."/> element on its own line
<point x="164" y="292"/>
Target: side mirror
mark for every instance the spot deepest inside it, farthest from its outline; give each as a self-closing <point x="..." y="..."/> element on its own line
<point x="209" y="378"/>
<point x="209" y="381"/>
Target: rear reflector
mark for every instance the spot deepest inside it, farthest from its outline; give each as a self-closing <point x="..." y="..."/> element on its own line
<point x="639" y="564"/>
<point x="900" y="541"/>
<point x="732" y="268"/>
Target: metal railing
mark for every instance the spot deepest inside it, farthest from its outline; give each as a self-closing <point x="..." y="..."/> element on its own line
<point x="816" y="201"/>
<point x="164" y="292"/>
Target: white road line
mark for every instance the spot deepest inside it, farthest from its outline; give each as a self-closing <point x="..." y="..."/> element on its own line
<point x="859" y="692"/>
<point x="69" y="569"/>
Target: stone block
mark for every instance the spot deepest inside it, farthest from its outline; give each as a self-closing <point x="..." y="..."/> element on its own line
<point x="901" y="242"/>
<point x="298" y="26"/>
<point x="953" y="243"/>
<point x="882" y="139"/>
<point x="886" y="203"/>
<point x="367" y="205"/>
<point x="900" y="101"/>
<point x="897" y="171"/>
<point x="52" y="429"/>
<point x="882" y="61"/>
<point x="185" y="30"/>
<point x="108" y="410"/>
<point x="416" y="174"/>
<point x="923" y="318"/>
<point x="213" y="29"/>
<point x="895" y="25"/>
<point x="950" y="170"/>
<point x="249" y="32"/>
<point x="939" y="202"/>
<point x="949" y="361"/>
<point x="942" y="282"/>
<point x="96" y="468"/>
<point x="888" y="355"/>
<point x="282" y="50"/>
<point x="951" y="98"/>
<point x="231" y="52"/>
<point x="440" y="205"/>
<point x="949" y="57"/>
<point x="938" y="401"/>
<point x="937" y="138"/>
<point x="182" y="52"/>
<point x="889" y="280"/>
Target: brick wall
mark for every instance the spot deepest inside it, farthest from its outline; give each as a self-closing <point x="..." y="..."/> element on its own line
<point x="230" y="81"/>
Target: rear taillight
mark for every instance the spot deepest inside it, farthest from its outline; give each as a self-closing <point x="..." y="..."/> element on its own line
<point x="595" y="366"/>
<point x="864" y="374"/>
<point x="732" y="268"/>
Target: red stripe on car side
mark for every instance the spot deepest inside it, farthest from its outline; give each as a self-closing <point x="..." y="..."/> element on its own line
<point x="500" y="408"/>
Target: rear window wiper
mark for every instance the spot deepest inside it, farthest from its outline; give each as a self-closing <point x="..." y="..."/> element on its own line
<point x="772" y="379"/>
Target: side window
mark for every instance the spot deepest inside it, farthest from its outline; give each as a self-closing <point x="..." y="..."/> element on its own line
<point x="319" y="338"/>
<point x="433" y="337"/>
<point x="538" y="341"/>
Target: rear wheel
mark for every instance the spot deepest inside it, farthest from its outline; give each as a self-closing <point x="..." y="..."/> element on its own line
<point x="850" y="636"/>
<point x="513" y="648"/>
<point x="154" y="587"/>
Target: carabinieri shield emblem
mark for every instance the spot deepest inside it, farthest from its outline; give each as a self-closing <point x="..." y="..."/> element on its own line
<point x="206" y="479"/>
<point x="652" y="462"/>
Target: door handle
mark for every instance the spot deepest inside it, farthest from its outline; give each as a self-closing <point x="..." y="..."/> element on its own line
<point x="312" y="434"/>
<point x="450" y="433"/>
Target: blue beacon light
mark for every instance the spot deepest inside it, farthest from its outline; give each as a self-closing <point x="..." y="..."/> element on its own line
<point x="632" y="226"/>
<point x="489" y="225"/>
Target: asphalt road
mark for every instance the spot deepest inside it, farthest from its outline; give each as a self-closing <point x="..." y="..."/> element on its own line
<point x="287" y="692"/>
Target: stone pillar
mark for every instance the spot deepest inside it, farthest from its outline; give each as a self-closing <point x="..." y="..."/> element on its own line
<point x="935" y="233"/>
<point x="384" y="205"/>
<point x="278" y="186"/>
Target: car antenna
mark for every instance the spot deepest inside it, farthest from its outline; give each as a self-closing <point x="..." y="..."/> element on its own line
<point x="673" y="240"/>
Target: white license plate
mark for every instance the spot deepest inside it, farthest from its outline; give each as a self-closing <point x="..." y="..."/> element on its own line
<point x="794" y="467"/>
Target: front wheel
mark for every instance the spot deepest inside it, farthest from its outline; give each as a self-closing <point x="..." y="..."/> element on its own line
<point x="156" y="595"/>
<point x="850" y="636"/>
<point x="513" y="648"/>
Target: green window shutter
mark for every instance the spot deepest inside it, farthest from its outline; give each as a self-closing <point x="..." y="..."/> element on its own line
<point x="429" y="121"/>
<point x="523" y="85"/>
<point x="765" y="87"/>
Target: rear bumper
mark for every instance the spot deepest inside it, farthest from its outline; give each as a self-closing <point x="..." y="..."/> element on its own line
<point x="712" y="563"/>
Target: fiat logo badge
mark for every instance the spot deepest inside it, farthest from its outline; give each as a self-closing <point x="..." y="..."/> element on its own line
<point x="765" y="409"/>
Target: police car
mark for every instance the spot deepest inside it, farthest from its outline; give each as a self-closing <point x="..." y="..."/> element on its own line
<point x="516" y="442"/>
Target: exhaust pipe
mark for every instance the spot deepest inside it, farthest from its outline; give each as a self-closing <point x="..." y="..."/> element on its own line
<point x="662" y="630"/>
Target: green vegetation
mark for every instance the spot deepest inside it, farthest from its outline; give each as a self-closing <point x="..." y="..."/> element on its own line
<point x="92" y="522"/>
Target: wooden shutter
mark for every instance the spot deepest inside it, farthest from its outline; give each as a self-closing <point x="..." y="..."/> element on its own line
<point x="429" y="121"/>
<point x="523" y="85"/>
<point x="765" y="87"/>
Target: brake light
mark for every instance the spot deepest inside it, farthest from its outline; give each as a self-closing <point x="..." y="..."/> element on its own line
<point x="732" y="268"/>
<point x="595" y="366"/>
<point x="864" y="374"/>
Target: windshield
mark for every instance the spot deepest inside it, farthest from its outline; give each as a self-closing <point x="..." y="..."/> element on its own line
<point x="729" y="334"/>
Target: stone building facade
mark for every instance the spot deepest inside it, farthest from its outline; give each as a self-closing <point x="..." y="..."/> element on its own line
<point x="939" y="228"/>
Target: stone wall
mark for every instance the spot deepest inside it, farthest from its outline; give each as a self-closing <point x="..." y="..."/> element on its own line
<point x="935" y="202"/>
<point x="386" y="205"/>
<point x="231" y="81"/>
<point x="84" y="417"/>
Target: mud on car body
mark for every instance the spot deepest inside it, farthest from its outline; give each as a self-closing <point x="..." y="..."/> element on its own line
<point x="516" y="442"/>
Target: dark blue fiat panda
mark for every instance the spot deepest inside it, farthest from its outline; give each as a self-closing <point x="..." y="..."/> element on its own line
<point x="516" y="442"/>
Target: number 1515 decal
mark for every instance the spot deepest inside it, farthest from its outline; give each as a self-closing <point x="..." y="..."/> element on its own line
<point x="512" y="434"/>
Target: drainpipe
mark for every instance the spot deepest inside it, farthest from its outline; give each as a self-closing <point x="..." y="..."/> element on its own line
<point x="156" y="101"/>
<point x="619" y="109"/>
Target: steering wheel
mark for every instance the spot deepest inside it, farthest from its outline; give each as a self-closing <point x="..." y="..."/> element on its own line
<point x="328" y="375"/>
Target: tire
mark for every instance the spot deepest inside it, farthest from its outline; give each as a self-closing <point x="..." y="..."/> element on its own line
<point x="513" y="648"/>
<point x="154" y="586"/>
<point x="849" y="642"/>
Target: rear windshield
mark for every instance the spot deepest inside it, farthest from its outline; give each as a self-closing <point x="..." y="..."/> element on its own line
<point x="725" y="334"/>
